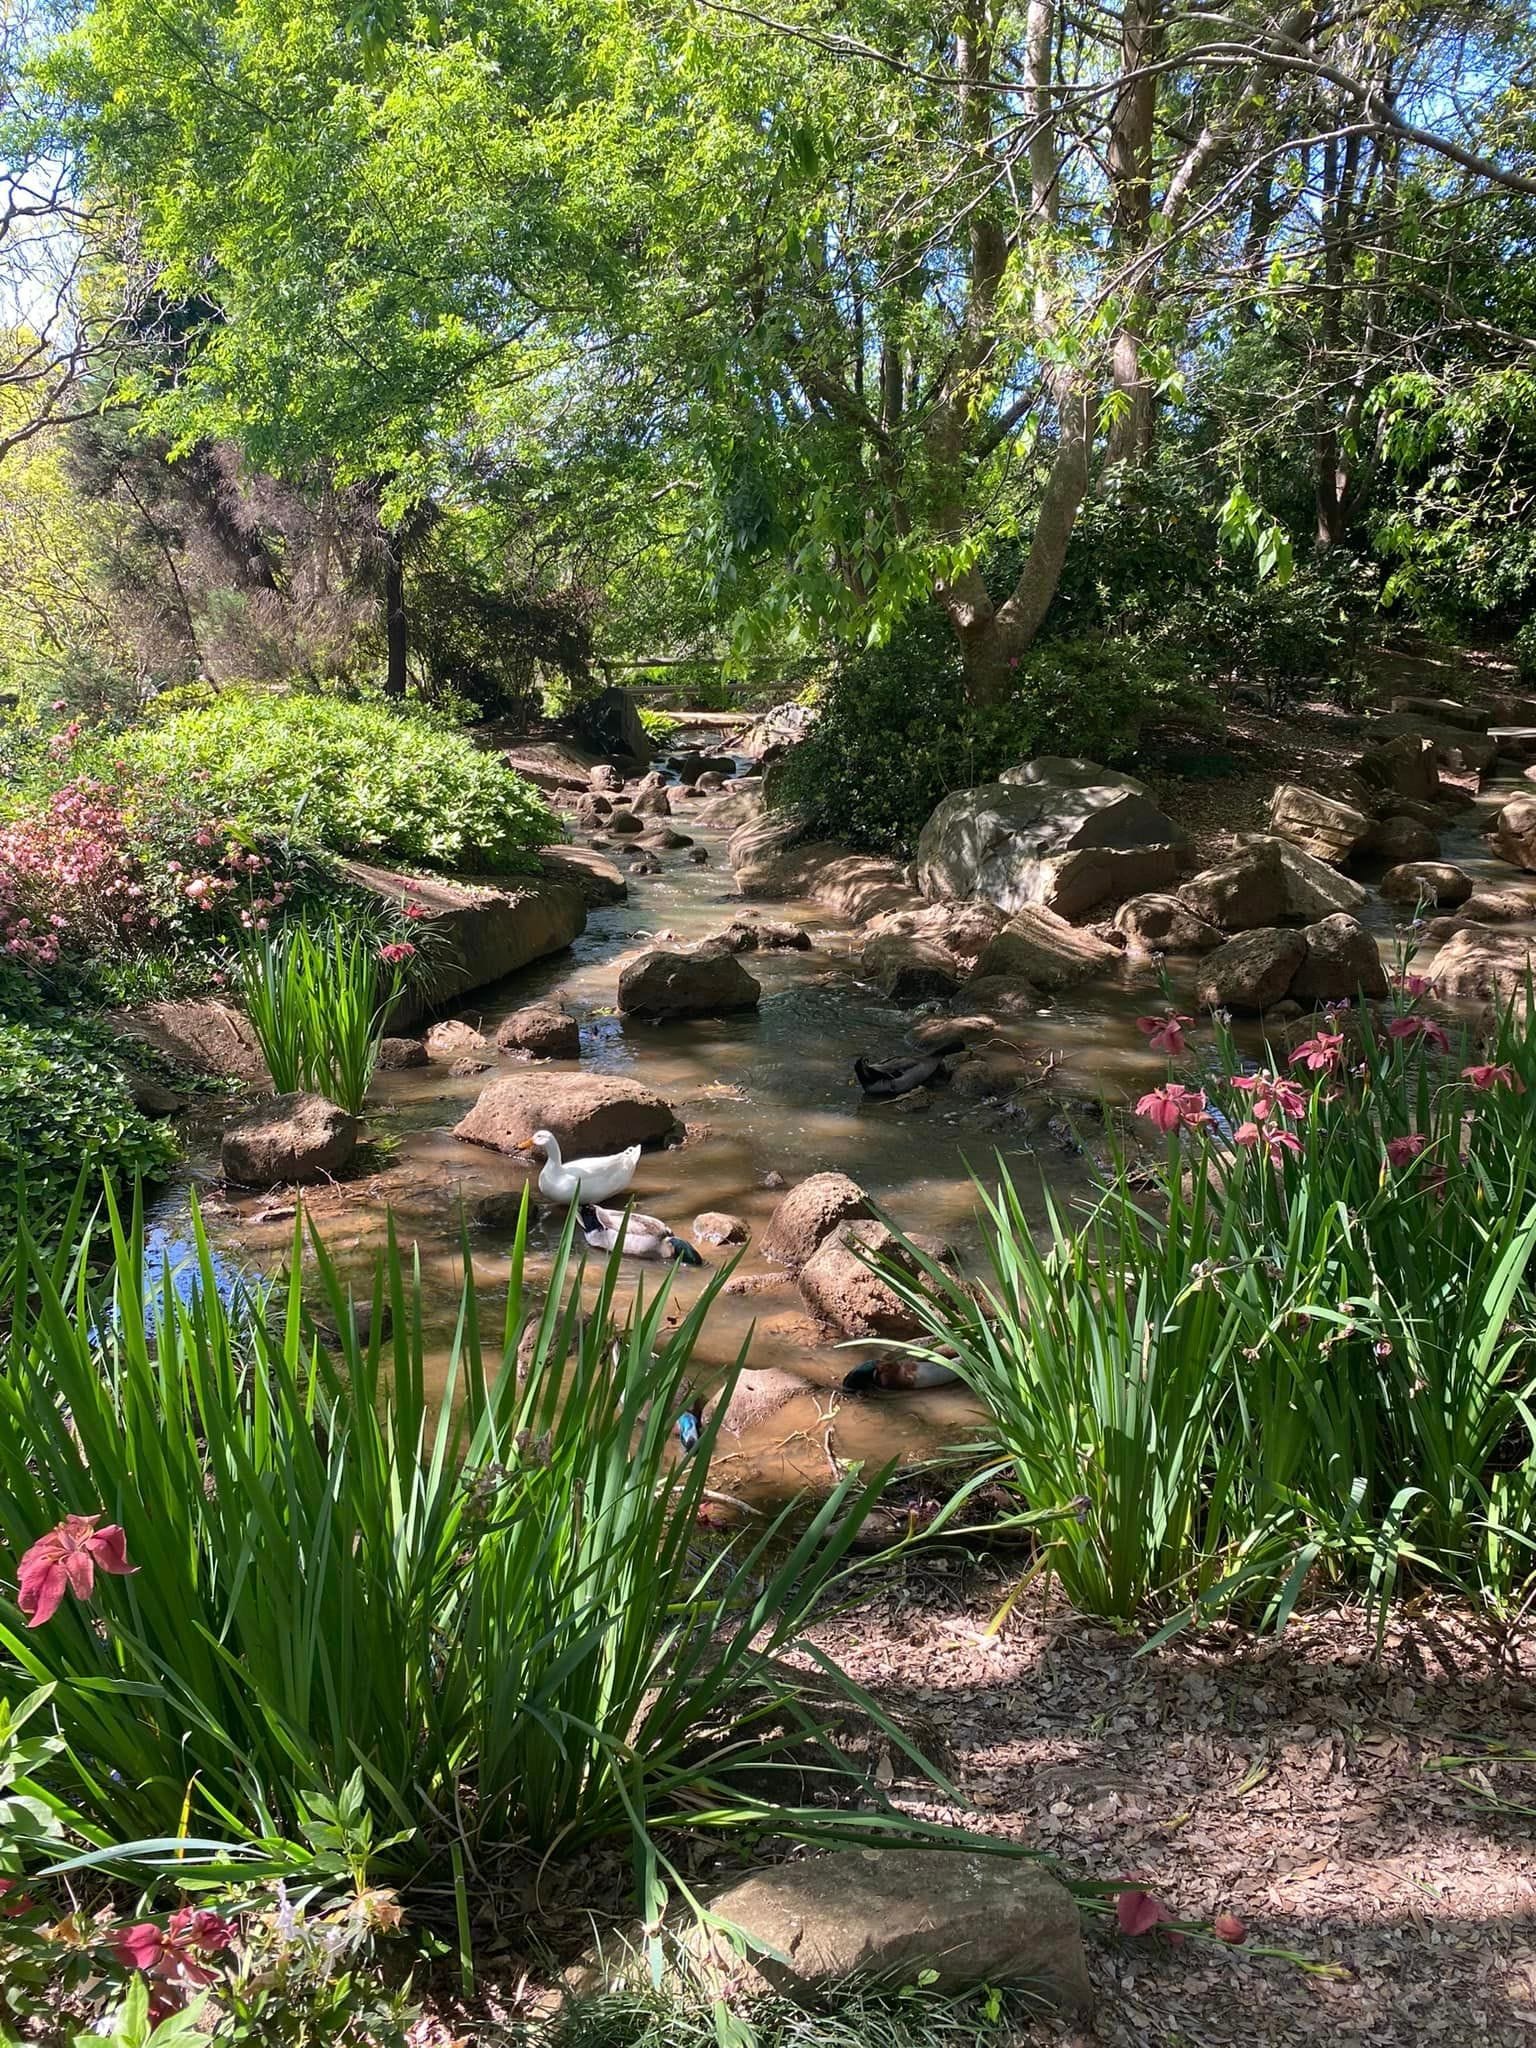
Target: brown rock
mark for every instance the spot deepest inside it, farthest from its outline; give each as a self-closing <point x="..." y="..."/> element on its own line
<point x="909" y="970"/>
<point x="703" y="984"/>
<point x="962" y="930"/>
<point x="395" y="1053"/>
<point x="1241" y="893"/>
<point x="605" y="776"/>
<point x="625" y="825"/>
<point x="1039" y="947"/>
<point x="1313" y="889"/>
<point x="1514" y="832"/>
<point x="588" y="1113"/>
<point x="1165" y="924"/>
<point x="1343" y="962"/>
<point x="1509" y="905"/>
<point x="544" y="1030"/>
<point x="716" y="1226"/>
<point x="1400" y="838"/>
<point x="756" y="1397"/>
<point x="652" y="803"/>
<point x="291" y="1138"/>
<point x="1427" y="881"/>
<point x="596" y="880"/>
<point x="1324" y="826"/>
<point x="994" y="999"/>
<point x="838" y="1286"/>
<point x="1404" y="766"/>
<point x="1251" y="972"/>
<point x="1486" y="966"/>
<point x="809" y="1213"/>
<point x="454" y="1040"/>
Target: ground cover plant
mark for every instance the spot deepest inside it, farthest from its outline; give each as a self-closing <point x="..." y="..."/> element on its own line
<point x="1301" y="1351"/>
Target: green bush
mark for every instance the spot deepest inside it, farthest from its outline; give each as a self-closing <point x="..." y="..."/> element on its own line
<point x="370" y="779"/>
<point x="895" y="733"/>
<point x="476" y="1615"/>
<point x="64" y="1109"/>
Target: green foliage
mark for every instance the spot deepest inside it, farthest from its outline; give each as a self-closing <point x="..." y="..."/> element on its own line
<point x="1313" y="1357"/>
<point x="1279" y="635"/>
<point x="318" y="1001"/>
<point x="378" y="1619"/>
<point x="855" y="2016"/>
<point x="64" y="1109"/>
<point x="364" y="778"/>
<point x="896" y="734"/>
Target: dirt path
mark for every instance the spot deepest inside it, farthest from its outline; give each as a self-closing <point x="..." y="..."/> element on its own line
<point x="1304" y="1784"/>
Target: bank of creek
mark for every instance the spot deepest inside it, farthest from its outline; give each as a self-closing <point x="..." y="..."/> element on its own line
<point x="766" y="1097"/>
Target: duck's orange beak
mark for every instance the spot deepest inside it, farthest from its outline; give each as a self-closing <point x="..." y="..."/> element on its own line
<point x="526" y="1145"/>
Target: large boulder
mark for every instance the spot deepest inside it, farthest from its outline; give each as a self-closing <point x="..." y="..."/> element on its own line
<point x="471" y="935"/>
<point x="809" y="1213"/>
<point x="839" y="1286"/>
<point x="1039" y="947"/>
<point x="772" y="859"/>
<point x="1325" y="826"/>
<point x="544" y="1031"/>
<point x="1456" y="752"/>
<point x="587" y="1113"/>
<point x="1485" y="966"/>
<point x="1400" y="838"/>
<point x="704" y="984"/>
<point x="1343" y="961"/>
<point x="1514" y="832"/>
<point x="1241" y="893"/>
<point x="1313" y="889"/>
<point x="1251" y="972"/>
<point x="288" y="1139"/>
<point x="962" y="931"/>
<point x="1165" y="924"/>
<point x="1013" y="842"/>
<point x="1068" y="771"/>
<point x="1404" y="766"/>
<point x="597" y="880"/>
<point x="609" y="723"/>
<point x="553" y="765"/>
<point x="903" y="1916"/>
<point x="1427" y="881"/>
<point x="995" y="1000"/>
<point x="758" y="1395"/>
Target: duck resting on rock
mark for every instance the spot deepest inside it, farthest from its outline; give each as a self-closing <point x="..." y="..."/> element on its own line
<point x="580" y="1180"/>
<point x="636" y="1236"/>
<point x="895" y="1374"/>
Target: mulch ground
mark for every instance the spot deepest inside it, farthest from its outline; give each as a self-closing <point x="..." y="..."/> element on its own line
<point x="1308" y="1784"/>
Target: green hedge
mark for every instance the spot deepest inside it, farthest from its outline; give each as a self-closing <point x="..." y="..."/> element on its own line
<point x="375" y="780"/>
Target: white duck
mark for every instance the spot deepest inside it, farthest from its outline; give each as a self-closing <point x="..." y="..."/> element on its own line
<point x="637" y="1236"/>
<point x="580" y="1180"/>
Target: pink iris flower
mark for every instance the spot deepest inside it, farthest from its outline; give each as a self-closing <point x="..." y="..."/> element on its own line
<point x="1320" y="1055"/>
<point x="1494" y="1077"/>
<point x="1172" y="1105"/>
<point x="1164" y="1034"/>
<point x="66" y="1560"/>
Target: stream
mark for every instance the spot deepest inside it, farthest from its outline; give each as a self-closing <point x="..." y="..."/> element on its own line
<point x="767" y="1098"/>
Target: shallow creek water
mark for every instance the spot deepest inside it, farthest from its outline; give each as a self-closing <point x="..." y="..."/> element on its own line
<point x="767" y="1097"/>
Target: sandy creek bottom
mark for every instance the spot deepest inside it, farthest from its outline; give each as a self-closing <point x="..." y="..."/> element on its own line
<point x="767" y="1093"/>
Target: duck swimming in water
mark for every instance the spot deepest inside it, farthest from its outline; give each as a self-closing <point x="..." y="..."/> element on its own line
<point x="637" y="1236"/>
<point x="580" y="1180"/>
<point x="895" y="1374"/>
<point x="883" y="1081"/>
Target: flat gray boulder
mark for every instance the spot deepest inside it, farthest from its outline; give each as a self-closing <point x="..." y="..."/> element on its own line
<point x="1023" y="839"/>
<point x="1039" y="947"/>
<point x="1325" y="826"/>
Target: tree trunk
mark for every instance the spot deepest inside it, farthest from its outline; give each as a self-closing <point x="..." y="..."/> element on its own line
<point x="396" y="625"/>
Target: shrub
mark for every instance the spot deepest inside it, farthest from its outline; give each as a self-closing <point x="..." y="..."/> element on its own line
<point x="370" y="779"/>
<point x="895" y="733"/>
<point x="1311" y="1346"/>
<point x="487" y="1593"/>
<point x="64" y="1109"/>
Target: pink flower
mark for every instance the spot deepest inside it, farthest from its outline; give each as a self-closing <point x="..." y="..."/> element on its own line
<point x="1494" y="1077"/>
<point x="394" y="955"/>
<point x="175" y="1956"/>
<point x="1172" y="1105"/>
<point x="1273" y="1138"/>
<point x="1165" y="1034"/>
<point x="65" y="1561"/>
<point x="1227" y="1927"/>
<point x="1320" y="1055"/>
<point x="197" y="890"/>
<point x="1416" y="985"/>
<point x="413" y="911"/>
<point x="1271" y="1092"/>
<point x="1139" y="1912"/>
<point x="1424" y="1029"/>
<point x="1403" y="1151"/>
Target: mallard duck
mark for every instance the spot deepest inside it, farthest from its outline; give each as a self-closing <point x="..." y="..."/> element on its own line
<point x="580" y="1180"/>
<point x="894" y="1374"/>
<point x="637" y="1236"/>
<point x="881" y="1082"/>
